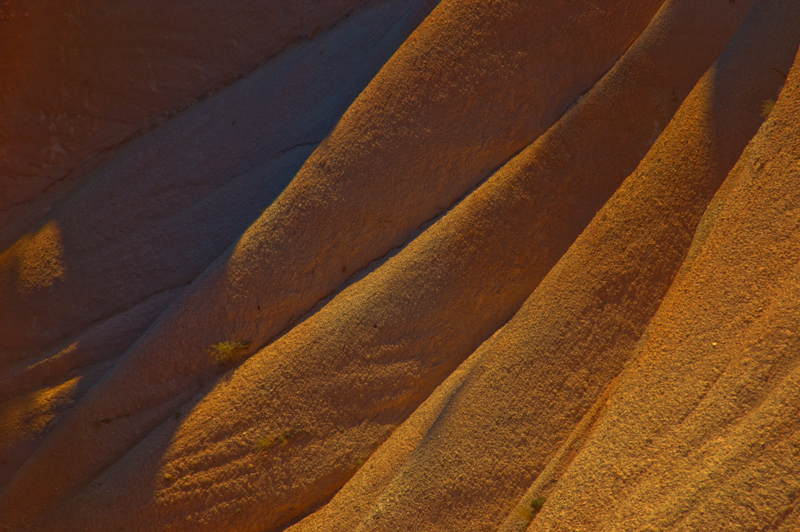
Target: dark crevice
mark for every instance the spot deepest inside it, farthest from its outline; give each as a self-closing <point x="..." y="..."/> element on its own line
<point x="296" y="146"/>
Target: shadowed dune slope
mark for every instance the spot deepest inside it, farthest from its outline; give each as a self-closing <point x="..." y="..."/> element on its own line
<point x="364" y="342"/>
<point x="81" y="76"/>
<point x="81" y="361"/>
<point x="463" y="265"/>
<point x="418" y="117"/>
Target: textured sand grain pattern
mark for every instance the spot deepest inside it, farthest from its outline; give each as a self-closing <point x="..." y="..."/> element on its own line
<point x="492" y="266"/>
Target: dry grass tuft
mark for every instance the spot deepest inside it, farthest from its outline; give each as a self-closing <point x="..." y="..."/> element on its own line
<point x="225" y="352"/>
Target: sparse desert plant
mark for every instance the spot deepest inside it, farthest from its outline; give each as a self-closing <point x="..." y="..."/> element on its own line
<point x="280" y="439"/>
<point x="228" y="351"/>
<point x="528" y="512"/>
<point x="536" y="505"/>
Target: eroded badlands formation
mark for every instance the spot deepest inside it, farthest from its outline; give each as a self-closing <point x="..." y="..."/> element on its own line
<point x="400" y="265"/>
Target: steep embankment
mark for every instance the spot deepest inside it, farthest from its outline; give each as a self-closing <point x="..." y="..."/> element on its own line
<point x="433" y="123"/>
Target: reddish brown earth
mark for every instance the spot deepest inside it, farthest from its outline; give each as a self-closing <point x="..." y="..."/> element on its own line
<point x="476" y="258"/>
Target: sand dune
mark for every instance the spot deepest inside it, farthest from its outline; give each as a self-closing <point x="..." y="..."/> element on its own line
<point x="440" y="266"/>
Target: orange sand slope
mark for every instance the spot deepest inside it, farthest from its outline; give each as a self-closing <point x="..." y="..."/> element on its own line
<point x="446" y="266"/>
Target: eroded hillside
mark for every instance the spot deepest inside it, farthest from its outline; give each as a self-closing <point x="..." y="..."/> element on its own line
<point x="400" y="265"/>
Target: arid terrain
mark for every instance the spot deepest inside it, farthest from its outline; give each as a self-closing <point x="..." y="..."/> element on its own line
<point x="399" y="265"/>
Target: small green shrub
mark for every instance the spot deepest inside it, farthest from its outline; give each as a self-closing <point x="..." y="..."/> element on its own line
<point x="529" y="512"/>
<point x="536" y="505"/>
<point x="225" y="352"/>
